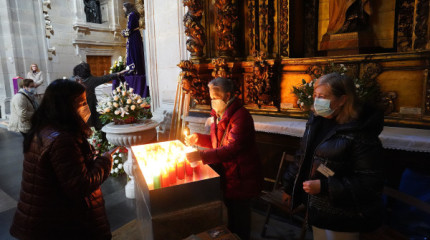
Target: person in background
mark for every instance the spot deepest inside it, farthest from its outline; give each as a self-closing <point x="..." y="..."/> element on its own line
<point x="338" y="173"/>
<point x="60" y="195"/>
<point x="22" y="107"/>
<point x="82" y="74"/>
<point x="40" y="84"/>
<point x="232" y="153"/>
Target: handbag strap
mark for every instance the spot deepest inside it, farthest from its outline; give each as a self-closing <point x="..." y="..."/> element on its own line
<point x="32" y="103"/>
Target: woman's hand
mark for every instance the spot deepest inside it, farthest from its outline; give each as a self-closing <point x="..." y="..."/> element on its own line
<point x="193" y="156"/>
<point x="109" y="153"/>
<point x="312" y="187"/>
<point x="192" y="139"/>
<point x="286" y="198"/>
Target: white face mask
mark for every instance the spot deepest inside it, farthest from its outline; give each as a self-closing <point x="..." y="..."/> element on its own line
<point x="84" y="112"/>
<point x="218" y="105"/>
<point x="322" y="107"/>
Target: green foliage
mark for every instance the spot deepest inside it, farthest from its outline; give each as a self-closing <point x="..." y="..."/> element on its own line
<point x="367" y="89"/>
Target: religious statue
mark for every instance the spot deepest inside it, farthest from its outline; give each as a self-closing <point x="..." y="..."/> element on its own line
<point x="135" y="59"/>
<point x="134" y="49"/>
<point x="92" y="11"/>
<point x="348" y="15"/>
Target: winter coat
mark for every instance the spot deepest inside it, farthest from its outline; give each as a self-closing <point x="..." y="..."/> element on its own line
<point x="60" y="194"/>
<point x="350" y="200"/>
<point x="22" y="108"/>
<point x="235" y="156"/>
<point x="90" y="84"/>
<point x="39" y="81"/>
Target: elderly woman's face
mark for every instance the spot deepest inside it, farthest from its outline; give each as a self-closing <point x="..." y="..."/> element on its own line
<point x="324" y="91"/>
<point x="217" y="93"/>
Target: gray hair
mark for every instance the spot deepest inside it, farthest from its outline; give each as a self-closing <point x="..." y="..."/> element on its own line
<point x="226" y="85"/>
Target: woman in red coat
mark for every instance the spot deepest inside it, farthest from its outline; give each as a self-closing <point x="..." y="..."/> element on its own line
<point x="60" y="194"/>
<point x="232" y="152"/>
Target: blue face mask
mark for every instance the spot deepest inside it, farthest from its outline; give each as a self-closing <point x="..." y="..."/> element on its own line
<point x="322" y="107"/>
<point x="30" y="90"/>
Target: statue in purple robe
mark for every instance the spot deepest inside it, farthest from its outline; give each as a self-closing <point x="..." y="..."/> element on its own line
<point x="134" y="55"/>
<point x="135" y="59"/>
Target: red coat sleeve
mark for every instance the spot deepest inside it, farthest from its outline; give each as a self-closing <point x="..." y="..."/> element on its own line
<point x="239" y="137"/>
<point x="204" y="140"/>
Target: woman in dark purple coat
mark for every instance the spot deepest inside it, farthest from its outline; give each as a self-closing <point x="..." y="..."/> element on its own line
<point x="134" y="55"/>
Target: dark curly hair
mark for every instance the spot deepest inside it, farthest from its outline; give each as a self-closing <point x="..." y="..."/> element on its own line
<point x="82" y="70"/>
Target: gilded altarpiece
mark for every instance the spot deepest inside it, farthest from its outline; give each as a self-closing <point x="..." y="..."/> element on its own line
<point x="269" y="46"/>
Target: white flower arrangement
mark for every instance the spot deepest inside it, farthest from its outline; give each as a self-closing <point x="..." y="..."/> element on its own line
<point x="118" y="157"/>
<point x="123" y="106"/>
<point x="117" y="66"/>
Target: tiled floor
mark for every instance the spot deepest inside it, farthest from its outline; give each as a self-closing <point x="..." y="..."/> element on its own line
<point x="120" y="210"/>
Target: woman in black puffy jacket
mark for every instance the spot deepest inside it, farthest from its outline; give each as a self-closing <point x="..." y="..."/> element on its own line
<point x="60" y="194"/>
<point x="337" y="173"/>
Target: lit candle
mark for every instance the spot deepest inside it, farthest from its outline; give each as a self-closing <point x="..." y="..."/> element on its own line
<point x="157" y="183"/>
<point x="180" y="169"/>
<point x="188" y="169"/>
<point x="197" y="168"/>
<point x="165" y="178"/>
<point x="172" y="173"/>
<point x="186" y="134"/>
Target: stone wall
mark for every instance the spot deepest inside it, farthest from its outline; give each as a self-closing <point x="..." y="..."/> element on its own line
<point x="165" y="48"/>
<point x="54" y="35"/>
<point x="68" y="39"/>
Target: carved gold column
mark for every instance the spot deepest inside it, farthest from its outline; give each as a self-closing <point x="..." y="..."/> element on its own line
<point x="192" y="84"/>
<point x="421" y="31"/>
<point x="284" y="28"/>
<point x="311" y="27"/>
<point x="267" y="26"/>
<point x="225" y="26"/>
<point x="194" y="29"/>
<point x="253" y="30"/>
<point x="405" y="25"/>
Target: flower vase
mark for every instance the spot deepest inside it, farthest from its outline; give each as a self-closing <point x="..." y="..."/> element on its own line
<point x="128" y="120"/>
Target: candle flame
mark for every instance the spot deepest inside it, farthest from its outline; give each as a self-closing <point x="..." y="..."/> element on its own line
<point x="157" y="158"/>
